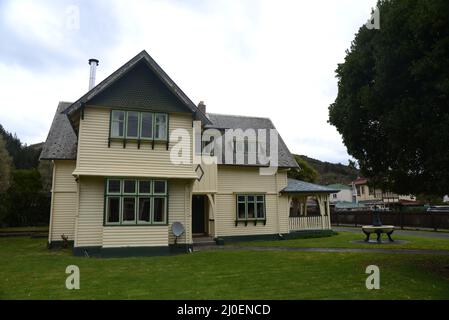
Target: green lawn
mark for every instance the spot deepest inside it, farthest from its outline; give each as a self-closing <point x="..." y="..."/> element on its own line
<point x="344" y="240"/>
<point x="30" y="271"/>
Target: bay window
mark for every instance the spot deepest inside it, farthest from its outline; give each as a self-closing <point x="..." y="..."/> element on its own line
<point x="135" y="202"/>
<point x="138" y="125"/>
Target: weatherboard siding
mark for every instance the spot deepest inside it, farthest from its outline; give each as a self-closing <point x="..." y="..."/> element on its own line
<point x="135" y="236"/>
<point x="90" y="216"/>
<point x="179" y="204"/>
<point x="96" y="158"/>
<point x="208" y="182"/>
<point x="64" y="198"/>
<point x="233" y="180"/>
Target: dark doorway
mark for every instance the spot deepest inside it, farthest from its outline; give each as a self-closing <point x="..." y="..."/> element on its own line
<point x="199" y="214"/>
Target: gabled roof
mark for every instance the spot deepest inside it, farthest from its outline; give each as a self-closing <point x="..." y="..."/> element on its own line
<point x="298" y="186"/>
<point x="120" y="72"/>
<point x="222" y="121"/>
<point x="61" y="143"/>
<point x="339" y="186"/>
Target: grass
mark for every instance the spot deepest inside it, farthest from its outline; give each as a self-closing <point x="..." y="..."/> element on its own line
<point x="30" y="271"/>
<point x="344" y="240"/>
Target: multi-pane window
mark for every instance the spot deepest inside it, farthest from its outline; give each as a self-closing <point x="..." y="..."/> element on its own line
<point x="132" y="124"/>
<point x="146" y="125"/>
<point x="139" y="125"/>
<point x="131" y="201"/>
<point x="160" y="126"/>
<point x="118" y="124"/>
<point x="250" y="207"/>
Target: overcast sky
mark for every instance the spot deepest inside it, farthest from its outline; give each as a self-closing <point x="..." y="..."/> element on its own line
<point x="271" y="59"/>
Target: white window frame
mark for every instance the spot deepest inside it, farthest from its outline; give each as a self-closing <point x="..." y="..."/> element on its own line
<point x="155" y="124"/>
<point x="165" y="210"/>
<point x="119" y="210"/>
<point x="112" y="124"/>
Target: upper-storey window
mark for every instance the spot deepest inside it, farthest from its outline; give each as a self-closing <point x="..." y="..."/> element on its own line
<point x="146" y="125"/>
<point x="160" y="126"/>
<point x="139" y="125"/>
<point x="132" y="124"/>
<point x="118" y="124"/>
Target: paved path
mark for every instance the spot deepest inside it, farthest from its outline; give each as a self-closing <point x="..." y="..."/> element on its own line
<point x="358" y="250"/>
<point x="424" y="234"/>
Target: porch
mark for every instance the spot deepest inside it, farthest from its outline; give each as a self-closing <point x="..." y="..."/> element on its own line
<point x="308" y="206"/>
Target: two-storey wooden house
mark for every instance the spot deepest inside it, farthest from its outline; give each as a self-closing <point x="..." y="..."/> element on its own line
<point x="116" y="189"/>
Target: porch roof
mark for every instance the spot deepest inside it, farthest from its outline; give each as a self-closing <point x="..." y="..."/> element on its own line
<point x="298" y="186"/>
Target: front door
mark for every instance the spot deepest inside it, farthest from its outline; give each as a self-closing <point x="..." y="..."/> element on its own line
<point x="198" y="214"/>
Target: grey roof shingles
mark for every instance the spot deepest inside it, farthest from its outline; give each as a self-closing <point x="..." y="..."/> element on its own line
<point x="298" y="186"/>
<point x="224" y="121"/>
<point x="61" y="141"/>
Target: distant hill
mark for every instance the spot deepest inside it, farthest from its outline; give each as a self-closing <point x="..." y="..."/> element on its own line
<point x="329" y="173"/>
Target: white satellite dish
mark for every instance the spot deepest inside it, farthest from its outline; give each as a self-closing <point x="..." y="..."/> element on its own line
<point x="178" y="229"/>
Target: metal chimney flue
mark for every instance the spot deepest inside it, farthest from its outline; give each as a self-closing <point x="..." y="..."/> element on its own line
<point x="93" y="70"/>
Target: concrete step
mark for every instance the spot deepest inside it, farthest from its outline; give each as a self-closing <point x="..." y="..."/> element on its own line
<point x="203" y="241"/>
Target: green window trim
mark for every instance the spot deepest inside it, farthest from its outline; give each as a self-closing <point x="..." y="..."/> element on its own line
<point x="149" y="137"/>
<point x="245" y="199"/>
<point x="137" y="196"/>
<point x="139" y="137"/>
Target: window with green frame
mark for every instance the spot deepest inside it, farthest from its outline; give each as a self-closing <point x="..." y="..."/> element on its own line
<point x="250" y="207"/>
<point x="138" y="125"/>
<point x="135" y="201"/>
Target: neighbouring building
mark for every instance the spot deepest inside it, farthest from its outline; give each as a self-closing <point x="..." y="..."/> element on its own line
<point x="343" y="195"/>
<point x="365" y="194"/>
<point x="117" y="191"/>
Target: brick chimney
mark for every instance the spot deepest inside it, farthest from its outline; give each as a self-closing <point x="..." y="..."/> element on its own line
<point x="202" y="107"/>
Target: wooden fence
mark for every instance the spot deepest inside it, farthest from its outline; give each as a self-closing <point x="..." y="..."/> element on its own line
<point x="434" y="220"/>
<point x="309" y="223"/>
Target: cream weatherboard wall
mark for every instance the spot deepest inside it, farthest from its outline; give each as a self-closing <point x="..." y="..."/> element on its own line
<point x="179" y="204"/>
<point x="96" y="158"/>
<point x="232" y="180"/>
<point x="208" y="182"/>
<point x="64" y="200"/>
<point x="90" y="231"/>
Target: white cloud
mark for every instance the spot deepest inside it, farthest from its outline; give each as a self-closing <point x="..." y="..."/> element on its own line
<point x="265" y="58"/>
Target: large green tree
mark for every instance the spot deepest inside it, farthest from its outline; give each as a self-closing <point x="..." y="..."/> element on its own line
<point x="392" y="107"/>
<point x="24" y="157"/>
